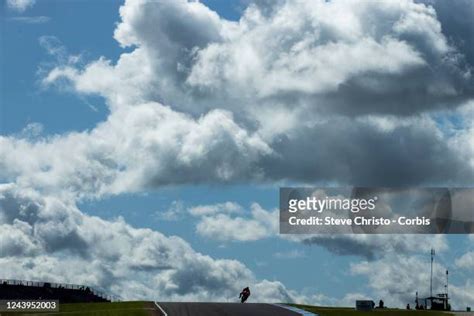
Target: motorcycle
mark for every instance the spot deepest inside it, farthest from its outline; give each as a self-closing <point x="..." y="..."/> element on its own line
<point x="244" y="295"/>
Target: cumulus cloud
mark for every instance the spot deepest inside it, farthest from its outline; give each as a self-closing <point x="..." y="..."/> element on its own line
<point x="227" y="207"/>
<point x="457" y="20"/>
<point x="374" y="246"/>
<point x="20" y="5"/>
<point x="324" y="56"/>
<point x="216" y="223"/>
<point x="50" y="239"/>
<point x="147" y="146"/>
<point x="175" y="212"/>
<point x="292" y="76"/>
<point x="397" y="278"/>
<point x="46" y="238"/>
<point x="231" y="222"/>
<point x="466" y="261"/>
<point x="372" y="153"/>
<point x="372" y="93"/>
<point x="150" y="145"/>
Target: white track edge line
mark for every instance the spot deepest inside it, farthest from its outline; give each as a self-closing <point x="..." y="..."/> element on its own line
<point x="161" y="309"/>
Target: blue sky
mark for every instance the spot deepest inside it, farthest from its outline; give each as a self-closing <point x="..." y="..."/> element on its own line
<point x="25" y="101"/>
<point x="316" y="152"/>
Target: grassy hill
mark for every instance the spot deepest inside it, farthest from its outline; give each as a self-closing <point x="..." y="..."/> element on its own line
<point x="148" y="309"/>
<point x="101" y="309"/>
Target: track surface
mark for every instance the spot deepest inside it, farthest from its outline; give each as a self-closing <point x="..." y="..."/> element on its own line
<point x="223" y="309"/>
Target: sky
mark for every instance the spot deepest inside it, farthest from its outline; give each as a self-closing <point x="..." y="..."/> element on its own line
<point x="143" y="143"/>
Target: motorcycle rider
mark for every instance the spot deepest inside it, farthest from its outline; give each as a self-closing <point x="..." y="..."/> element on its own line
<point x="244" y="295"/>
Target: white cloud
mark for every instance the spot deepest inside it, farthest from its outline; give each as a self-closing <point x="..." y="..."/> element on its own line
<point x="30" y="19"/>
<point x="321" y="56"/>
<point x="374" y="246"/>
<point x="466" y="261"/>
<point x="144" y="146"/>
<point x="31" y="131"/>
<point x="20" y="5"/>
<point x="175" y="212"/>
<point x="291" y="86"/>
<point x="397" y="278"/>
<point x="219" y="224"/>
<point x="46" y="238"/>
<point x="227" y="207"/>
<point x="150" y="145"/>
<point x="289" y="63"/>
<point x="229" y="222"/>
<point x="301" y="90"/>
<point x="292" y="254"/>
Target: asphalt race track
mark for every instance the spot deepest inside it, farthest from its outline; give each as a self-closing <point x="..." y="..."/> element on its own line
<point x="223" y="309"/>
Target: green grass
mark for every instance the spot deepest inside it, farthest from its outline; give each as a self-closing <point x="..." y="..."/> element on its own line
<point x="335" y="311"/>
<point x="145" y="308"/>
<point x="96" y="309"/>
